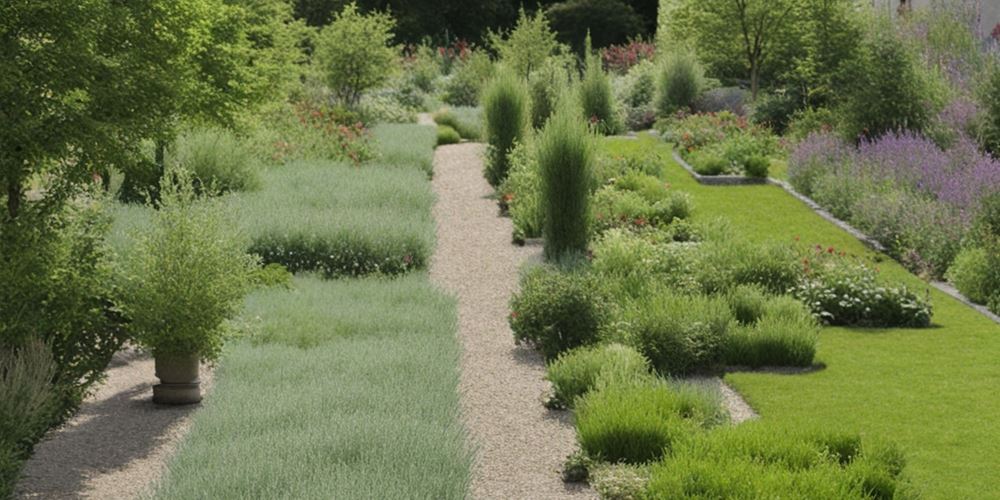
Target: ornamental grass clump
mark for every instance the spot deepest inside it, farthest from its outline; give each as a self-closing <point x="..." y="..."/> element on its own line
<point x="679" y="84"/>
<point x="505" y="107"/>
<point x="596" y="97"/>
<point x="578" y="371"/>
<point x="565" y="159"/>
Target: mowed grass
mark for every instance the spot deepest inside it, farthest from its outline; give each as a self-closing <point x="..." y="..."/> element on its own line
<point x="348" y="390"/>
<point x="933" y="391"/>
<point x="340" y="219"/>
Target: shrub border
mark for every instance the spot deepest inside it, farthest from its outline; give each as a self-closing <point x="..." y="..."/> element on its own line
<point x="735" y="180"/>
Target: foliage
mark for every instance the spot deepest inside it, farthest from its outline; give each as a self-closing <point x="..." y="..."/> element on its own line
<point x="680" y="83"/>
<point x="565" y="160"/>
<point x="306" y="131"/>
<point x="527" y="46"/>
<point x="784" y="335"/>
<point x="747" y="303"/>
<point x="775" y="110"/>
<point x="218" y="161"/>
<point x="521" y="192"/>
<point x="557" y="311"/>
<point x="634" y="92"/>
<point x="989" y="101"/>
<point x="723" y="99"/>
<point x="576" y="372"/>
<point x="885" y="90"/>
<point x="757" y="460"/>
<point x="353" y="53"/>
<point x="546" y="84"/>
<point x="186" y="275"/>
<point x="505" y="108"/>
<point x="610" y="21"/>
<point x="680" y="334"/>
<point x="723" y="143"/>
<point x="638" y="422"/>
<point x="806" y="122"/>
<point x="842" y="292"/>
<point x="596" y="98"/>
<point x="28" y="405"/>
<point x="342" y="222"/>
<point x="466" y="121"/>
<point x="976" y="274"/>
<point x="391" y="105"/>
<point x="724" y="264"/>
<point x="463" y="86"/>
<point x="57" y="277"/>
<point x="405" y="146"/>
<point x="619" y="206"/>
<point x="622" y="58"/>
<point x="447" y="135"/>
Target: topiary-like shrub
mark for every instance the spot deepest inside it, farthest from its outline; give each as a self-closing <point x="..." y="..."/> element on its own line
<point x="641" y="421"/>
<point x="680" y="333"/>
<point x="218" y="161"/>
<point x="758" y="460"/>
<point x="680" y="83"/>
<point x="580" y="370"/>
<point x="784" y="335"/>
<point x="565" y="160"/>
<point x="505" y="106"/>
<point x="556" y="311"/>
<point x="447" y="135"/>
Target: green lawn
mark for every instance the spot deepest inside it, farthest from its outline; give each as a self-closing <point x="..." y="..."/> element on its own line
<point x="934" y="391"/>
<point x="343" y="388"/>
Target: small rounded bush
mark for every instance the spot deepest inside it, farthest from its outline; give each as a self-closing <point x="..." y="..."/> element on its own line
<point x="706" y="163"/>
<point x="679" y="333"/>
<point x="747" y="303"/>
<point x="633" y="423"/>
<point x="557" y="311"/>
<point x="578" y="371"/>
<point x="680" y="83"/>
<point x="447" y="135"/>
<point x="971" y="275"/>
<point x="505" y="107"/>
<point x="677" y="205"/>
<point x="757" y="166"/>
<point x="785" y="335"/>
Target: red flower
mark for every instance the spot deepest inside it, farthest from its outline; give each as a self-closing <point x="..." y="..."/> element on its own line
<point x="830" y="250"/>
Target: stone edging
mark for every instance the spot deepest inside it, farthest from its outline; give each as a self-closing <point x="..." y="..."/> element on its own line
<point x="732" y="180"/>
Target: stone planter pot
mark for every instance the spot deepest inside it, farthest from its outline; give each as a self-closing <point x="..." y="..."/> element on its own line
<point x="179" y="382"/>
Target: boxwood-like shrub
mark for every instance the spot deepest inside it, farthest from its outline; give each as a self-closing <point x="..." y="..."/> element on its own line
<point x="580" y="370"/>
<point x="680" y="333"/>
<point x="556" y="310"/>
<point x="447" y="135"/>
<point x="640" y="422"/>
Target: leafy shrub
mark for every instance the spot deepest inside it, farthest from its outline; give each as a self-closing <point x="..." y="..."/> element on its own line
<point x="625" y="57"/>
<point x="614" y="207"/>
<point x="447" y="135"/>
<point x="709" y="163"/>
<point x="597" y="99"/>
<point x="757" y="460"/>
<point x="639" y="422"/>
<point x="58" y="289"/>
<point x="976" y="274"/>
<point x="465" y="120"/>
<point x="338" y="221"/>
<point x="29" y="403"/>
<point x="464" y="85"/>
<point x="729" y="99"/>
<point x="680" y="83"/>
<point x="609" y="167"/>
<point x="725" y="264"/>
<point x="387" y="106"/>
<point x="521" y="192"/>
<point x="775" y="110"/>
<point x="747" y="303"/>
<point x="784" y="335"/>
<point x="505" y="105"/>
<point x="842" y="292"/>
<point x="805" y="122"/>
<point x="565" y="160"/>
<point x="756" y="166"/>
<point x="557" y="311"/>
<point x="578" y="371"/>
<point x="989" y="101"/>
<point x="186" y="276"/>
<point x="528" y="45"/>
<point x="546" y="84"/>
<point x="353" y="52"/>
<point x="217" y="159"/>
<point x="304" y="130"/>
<point x="680" y="334"/>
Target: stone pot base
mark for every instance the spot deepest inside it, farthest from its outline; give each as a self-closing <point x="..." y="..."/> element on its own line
<point x="177" y="394"/>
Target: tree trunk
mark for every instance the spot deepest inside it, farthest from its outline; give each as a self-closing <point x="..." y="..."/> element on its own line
<point x="14" y="195"/>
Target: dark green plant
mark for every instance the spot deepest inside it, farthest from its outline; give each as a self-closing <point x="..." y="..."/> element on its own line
<point x="505" y="107"/>
<point x="565" y="160"/>
<point x="679" y="333"/>
<point x="447" y="135"/>
<point x="556" y="311"/>
<point x="784" y="335"/>
<point x="527" y="46"/>
<point x="775" y="110"/>
<point x="186" y="275"/>
<point x="610" y="21"/>
<point x="757" y="166"/>
<point x="679" y="84"/>
<point x="596" y="98"/>
<point x="580" y="370"/>
<point x="989" y="101"/>
<point x="464" y="86"/>
<point x="747" y="303"/>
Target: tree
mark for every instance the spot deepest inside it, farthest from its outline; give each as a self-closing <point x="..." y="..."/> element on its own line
<point x="354" y="53"/>
<point x="528" y="45"/>
<point x="609" y="21"/>
<point x="727" y="31"/>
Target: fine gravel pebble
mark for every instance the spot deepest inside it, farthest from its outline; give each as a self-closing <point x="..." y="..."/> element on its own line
<point x="117" y="444"/>
<point x="520" y="446"/>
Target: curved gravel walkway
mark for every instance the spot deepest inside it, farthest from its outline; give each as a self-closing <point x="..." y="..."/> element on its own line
<point x="117" y="444"/>
<point x="520" y="445"/>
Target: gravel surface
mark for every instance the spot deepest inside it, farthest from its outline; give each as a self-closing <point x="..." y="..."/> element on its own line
<point x="520" y="445"/>
<point x="117" y="445"/>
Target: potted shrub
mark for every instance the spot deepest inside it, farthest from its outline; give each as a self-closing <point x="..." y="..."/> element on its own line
<point x="184" y="279"/>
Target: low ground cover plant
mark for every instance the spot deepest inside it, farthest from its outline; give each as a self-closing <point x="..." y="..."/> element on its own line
<point x="680" y="334"/>
<point x="467" y="121"/>
<point x="576" y="372"/>
<point x="784" y="333"/>
<point x="338" y="220"/>
<point x="405" y="146"/>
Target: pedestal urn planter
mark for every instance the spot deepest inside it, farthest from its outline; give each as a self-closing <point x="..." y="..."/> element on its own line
<point x="179" y="381"/>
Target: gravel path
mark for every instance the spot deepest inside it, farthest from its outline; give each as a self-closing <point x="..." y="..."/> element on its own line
<point x="520" y="445"/>
<point x="116" y="446"/>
